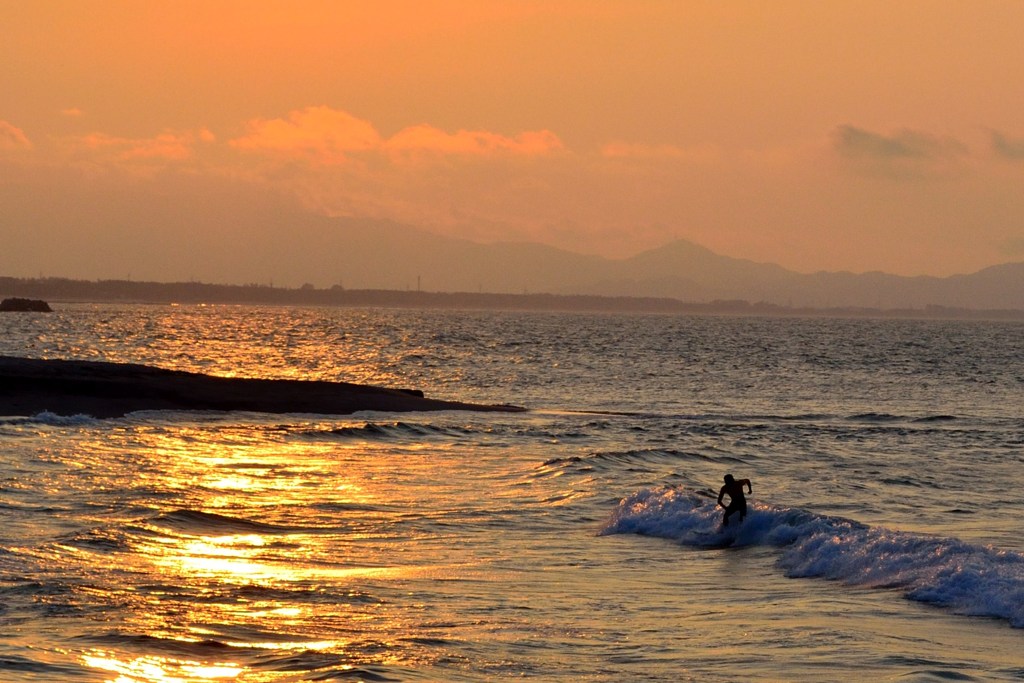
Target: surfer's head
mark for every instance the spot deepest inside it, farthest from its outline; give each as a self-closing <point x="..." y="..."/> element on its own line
<point x="728" y="479"/>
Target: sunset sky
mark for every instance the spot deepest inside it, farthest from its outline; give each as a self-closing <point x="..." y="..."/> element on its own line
<point x="861" y="135"/>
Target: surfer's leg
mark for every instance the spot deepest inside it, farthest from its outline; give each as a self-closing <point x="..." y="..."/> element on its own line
<point x="728" y="511"/>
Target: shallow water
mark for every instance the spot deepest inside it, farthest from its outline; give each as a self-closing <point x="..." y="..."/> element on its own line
<point x="573" y="542"/>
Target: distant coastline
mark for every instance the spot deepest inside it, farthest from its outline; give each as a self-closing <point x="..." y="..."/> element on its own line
<point x="63" y="290"/>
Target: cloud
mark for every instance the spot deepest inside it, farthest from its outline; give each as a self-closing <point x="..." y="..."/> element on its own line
<point x="331" y="136"/>
<point x="903" y="155"/>
<point x="1007" y="148"/>
<point x="72" y="112"/>
<point x="428" y="139"/>
<point x="12" y="137"/>
<point x="319" y="134"/>
<point x="857" y="143"/>
<point x="168" y="147"/>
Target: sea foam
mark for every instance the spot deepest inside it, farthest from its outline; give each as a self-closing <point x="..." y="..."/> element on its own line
<point x="966" y="578"/>
<point x="51" y="419"/>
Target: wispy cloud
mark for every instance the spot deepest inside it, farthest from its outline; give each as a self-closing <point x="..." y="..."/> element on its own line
<point x="428" y="139"/>
<point x="904" y="145"/>
<point x="1006" y="147"/>
<point x="332" y="136"/>
<point x="12" y="137"/>
<point x="169" y="146"/>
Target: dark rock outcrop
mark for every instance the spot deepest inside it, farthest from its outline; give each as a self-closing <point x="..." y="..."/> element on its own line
<point x="100" y="389"/>
<point x="25" y="305"/>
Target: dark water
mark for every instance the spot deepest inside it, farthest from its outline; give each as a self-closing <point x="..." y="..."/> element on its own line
<point x="574" y="542"/>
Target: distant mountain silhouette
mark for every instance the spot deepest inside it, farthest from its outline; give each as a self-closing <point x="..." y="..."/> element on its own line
<point x="230" y="235"/>
<point x="378" y="254"/>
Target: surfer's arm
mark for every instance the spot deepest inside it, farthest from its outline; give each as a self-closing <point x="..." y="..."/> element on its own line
<point x="720" y="495"/>
<point x="747" y="483"/>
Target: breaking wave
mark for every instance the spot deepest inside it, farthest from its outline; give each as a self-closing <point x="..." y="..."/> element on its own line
<point x="966" y="578"/>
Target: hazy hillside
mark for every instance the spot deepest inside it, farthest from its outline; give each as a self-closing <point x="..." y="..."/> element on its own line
<point x="250" y="238"/>
<point x="360" y="253"/>
<point x="679" y="270"/>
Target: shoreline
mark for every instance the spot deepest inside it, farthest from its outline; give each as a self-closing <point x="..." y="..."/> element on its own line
<point x="103" y="389"/>
<point x="59" y="290"/>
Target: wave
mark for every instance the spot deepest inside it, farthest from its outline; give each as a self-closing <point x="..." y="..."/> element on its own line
<point x="96" y="540"/>
<point x="882" y="418"/>
<point x="50" y="419"/>
<point x="247" y="646"/>
<point x="742" y="418"/>
<point x="358" y="673"/>
<point x="640" y="460"/>
<point x="32" y="667"/>
<point x="373" y="431"/>
<point x="176" y="646"/>
<point x="968" y="579"/>
<point x="198" y="522"/>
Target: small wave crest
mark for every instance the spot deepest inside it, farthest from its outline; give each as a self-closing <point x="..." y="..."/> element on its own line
<point x="969" y="579"/>
<point x="886" y="418"/>
<point x="374" y="431"/>
<point x="50" y="419"/>
<point x="198" y="522"/>
<point x="262" y="651"/>
<point x="33" y="667"/>
<point x="634" y="459"/>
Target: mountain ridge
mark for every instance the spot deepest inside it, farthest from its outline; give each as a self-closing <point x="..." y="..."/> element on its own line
<point x="261" y="239"/>
<point x="680" y="270"/>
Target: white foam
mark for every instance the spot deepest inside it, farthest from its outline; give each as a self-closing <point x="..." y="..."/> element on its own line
<point x="52" y="419"/>
<point x="969" y="579"/>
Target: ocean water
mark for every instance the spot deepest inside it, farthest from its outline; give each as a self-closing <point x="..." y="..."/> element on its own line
<point x="578" y="541"/>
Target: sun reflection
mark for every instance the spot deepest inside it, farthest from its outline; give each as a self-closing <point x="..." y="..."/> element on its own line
<point x="153" y="669"/>
<point x="276" y="612"/>
<point x="235" y="545"/>
<point x="236" y="482"/>
<point x="243" y="560"/>
<point x="212" y="672"/>
<point x="236" y="568"/>
<point x="293" y="645"/>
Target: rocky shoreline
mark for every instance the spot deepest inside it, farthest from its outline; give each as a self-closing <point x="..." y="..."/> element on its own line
<point x="18" y="305"/>
<point x="101" y="389"/>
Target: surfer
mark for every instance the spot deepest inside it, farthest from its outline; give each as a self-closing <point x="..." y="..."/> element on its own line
<point x="737" y="502"/>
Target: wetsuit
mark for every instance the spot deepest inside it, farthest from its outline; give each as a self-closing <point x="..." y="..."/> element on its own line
<point x="737" y="502"/>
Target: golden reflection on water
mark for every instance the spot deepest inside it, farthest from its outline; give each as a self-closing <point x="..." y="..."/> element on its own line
<point x="235" y="560"/>
<point x="153" y="669"/>
<point x="280" y="344"/>
<point x="244" y="485"/>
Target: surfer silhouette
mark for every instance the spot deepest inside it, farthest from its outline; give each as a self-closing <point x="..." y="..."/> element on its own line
<point x="737" y="502"/>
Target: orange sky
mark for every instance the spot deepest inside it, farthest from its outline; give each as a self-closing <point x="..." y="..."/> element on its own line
<point x="860" y="135"/>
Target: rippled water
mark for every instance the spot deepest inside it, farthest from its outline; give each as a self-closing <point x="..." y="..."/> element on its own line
<point x="574" y="542"/>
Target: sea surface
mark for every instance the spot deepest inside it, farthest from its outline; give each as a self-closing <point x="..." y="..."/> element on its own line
<point x="579" y="541"/>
